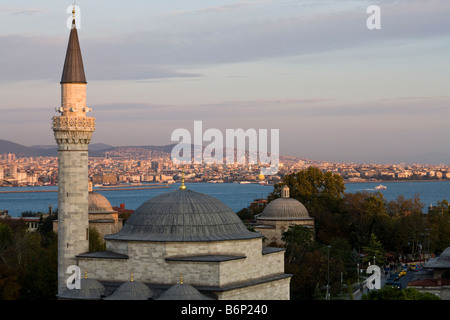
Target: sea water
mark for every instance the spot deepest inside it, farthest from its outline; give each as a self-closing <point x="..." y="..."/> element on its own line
<point x="236" y="196"/>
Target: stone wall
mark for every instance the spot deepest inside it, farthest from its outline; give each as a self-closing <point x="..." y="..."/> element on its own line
<point x="147" y="261"/>
<point x="273" y="230"/>
<point x="273" y="290"/>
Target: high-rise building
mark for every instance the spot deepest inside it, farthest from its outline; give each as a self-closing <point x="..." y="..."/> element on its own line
<point x="73" y="131"/>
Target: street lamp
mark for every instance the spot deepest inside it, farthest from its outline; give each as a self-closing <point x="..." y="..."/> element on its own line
<point x="328" y="283"/>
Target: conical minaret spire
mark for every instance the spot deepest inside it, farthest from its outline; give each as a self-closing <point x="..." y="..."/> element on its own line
<point x="73" y="71"/>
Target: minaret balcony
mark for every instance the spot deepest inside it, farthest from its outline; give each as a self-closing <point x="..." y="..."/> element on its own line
<point x="63" y="123"/>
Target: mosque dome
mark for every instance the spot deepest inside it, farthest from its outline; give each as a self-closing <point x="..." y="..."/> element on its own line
<point x="90" y="289"/>
<point x="284" y="208"/>
<point x="183" y="215"/>
<point x="131" y="290"/>
<point x="441" y="262"/>
<point x="182" y="291"/>
<point x="99" y="204"/>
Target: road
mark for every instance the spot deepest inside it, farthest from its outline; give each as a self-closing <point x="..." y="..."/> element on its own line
<point x="403" y="281"/>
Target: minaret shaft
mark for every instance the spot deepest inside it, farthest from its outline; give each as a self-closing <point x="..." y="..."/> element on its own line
<point x="73" y="133"/>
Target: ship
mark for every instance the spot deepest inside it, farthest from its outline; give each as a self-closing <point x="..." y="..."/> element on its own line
<point x="380" y="187"/>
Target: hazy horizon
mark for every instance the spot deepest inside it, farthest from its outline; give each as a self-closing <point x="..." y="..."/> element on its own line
<point x="336" y="90"/>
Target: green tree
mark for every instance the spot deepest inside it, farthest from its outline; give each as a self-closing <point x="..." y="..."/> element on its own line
<point x="441" y="208"/>
<point x="365" y="212"/>
<point x="6" y="240"/>
<point x="40" y="274"/>
<point x="321" y="193"/>
<point x="374" y="251"/>
<point x="298" y="241"/>
<point x="96" y="242"/>
<point x="9" y="283"/>
<point x="437" y="235"/>
<point x="313" y="188"/>
<point x="402" y="206"/>
<point x="389" y="293"/>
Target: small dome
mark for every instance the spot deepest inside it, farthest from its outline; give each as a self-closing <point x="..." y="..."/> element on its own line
<point x="183" y="291"/>
<point x="285" y="208"/>
<point x="183" y="215"/>
<point x="131" y="290"/>
<point x="90" y="289"/>
<point x="441" y="262"/>
<point x="99" y="204"/>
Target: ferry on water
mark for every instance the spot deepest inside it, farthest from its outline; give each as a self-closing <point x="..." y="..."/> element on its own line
<point x="380" y="187"/>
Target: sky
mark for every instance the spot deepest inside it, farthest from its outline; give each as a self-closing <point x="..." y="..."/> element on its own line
<point x="335" y="89"/>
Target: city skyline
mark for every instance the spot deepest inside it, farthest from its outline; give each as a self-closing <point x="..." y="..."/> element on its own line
<point x="336" y="90"/>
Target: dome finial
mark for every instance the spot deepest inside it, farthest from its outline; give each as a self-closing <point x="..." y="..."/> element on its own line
<point x="181" y="279"/>
<point x="182" y="187"/>
<point x="131" y="276"/>
<point x="73" y="10"/>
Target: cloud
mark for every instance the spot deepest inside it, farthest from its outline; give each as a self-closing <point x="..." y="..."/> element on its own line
<point x="19" y="11"/>
<point x="161" y="52"/>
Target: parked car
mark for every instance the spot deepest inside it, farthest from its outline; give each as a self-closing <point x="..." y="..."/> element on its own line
<point x="396" y="285"/>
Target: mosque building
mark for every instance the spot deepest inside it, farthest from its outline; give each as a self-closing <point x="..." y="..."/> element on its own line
<point x="179" y="245"/>
<point x="279" y="215"/>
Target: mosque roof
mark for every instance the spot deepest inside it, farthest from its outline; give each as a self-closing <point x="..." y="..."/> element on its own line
<point x="131" y="290"/>
<point x="183" y="291"/>
<point x="90" y="289"/>
<point x="285" y="208"/>
<point x="183" y="215"/>
<point x="98" y="203"/>
<point x="441" y="262"/>
<point x="73" y="71"/>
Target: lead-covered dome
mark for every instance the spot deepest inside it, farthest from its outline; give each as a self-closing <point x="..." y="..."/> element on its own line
<point x="183" y="215"/>
<point x="98" y="203"/>
<point x="183" y="292"/>
<point x="285" y="208"/>
<point x="441" y="262"/>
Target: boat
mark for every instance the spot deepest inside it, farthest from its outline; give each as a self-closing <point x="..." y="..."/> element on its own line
<point x="380" y="187"/>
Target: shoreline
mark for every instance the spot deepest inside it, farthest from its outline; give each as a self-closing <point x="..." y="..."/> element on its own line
<point x="105" y="189"/>
<point x="387" y="181"/>
<point x="142" y="186"/>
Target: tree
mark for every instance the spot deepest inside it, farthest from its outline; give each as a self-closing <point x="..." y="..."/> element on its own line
<point x="401" y="206"/>
<point x="40" y="274"/>
<point x="298" y="241"/>
<point x="374" y="251"/>
<point x="96" y="242"/>
<point x="28" y="267"/>
<point x="441" y="208"/>
<point x="6" y="240"/>
<point x="313" y="188"/>
<point x="321" y="193"/>
<point x="438" y="233"/>
<point x="364" y="212"/>
<point x="390" y="293"/>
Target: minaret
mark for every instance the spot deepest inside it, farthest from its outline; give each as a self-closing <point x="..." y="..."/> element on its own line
<point x="73" y="132"/>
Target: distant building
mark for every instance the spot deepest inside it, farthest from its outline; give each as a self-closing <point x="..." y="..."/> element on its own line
<point x="104" y="178"/>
